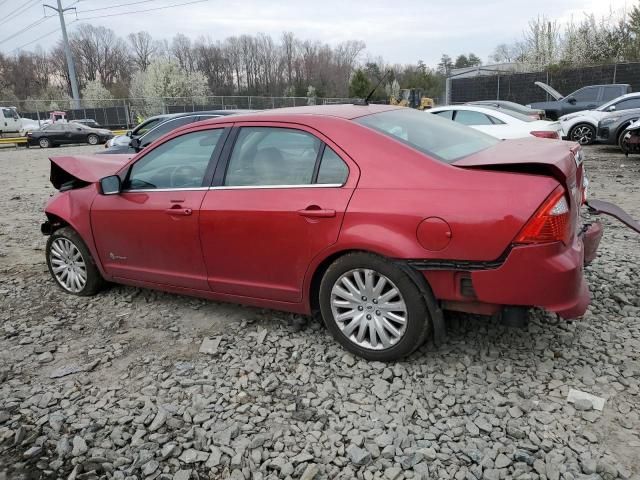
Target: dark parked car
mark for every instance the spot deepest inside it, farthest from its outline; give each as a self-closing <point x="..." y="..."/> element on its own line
<point x="585" y="98"/>
<point x="613" y="124"/>
<point x="139" y="130"/>
<point x="166" y="125"/>
<point x="61" y="133"/>
<point x="534" y="113"/>
<point x="89" y="122"/>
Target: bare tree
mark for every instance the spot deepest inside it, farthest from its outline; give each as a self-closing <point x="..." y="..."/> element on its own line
<point x="182" y="51"/>
<point x="143" y="49"/>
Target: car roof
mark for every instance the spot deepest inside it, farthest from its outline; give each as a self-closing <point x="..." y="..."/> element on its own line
<point x="344" y="111"/>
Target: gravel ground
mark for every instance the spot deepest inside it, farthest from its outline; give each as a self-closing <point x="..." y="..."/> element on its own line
<point x="114" y="386"/>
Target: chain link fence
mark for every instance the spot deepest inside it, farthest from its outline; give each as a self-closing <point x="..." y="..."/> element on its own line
<point x="127" y="112"/>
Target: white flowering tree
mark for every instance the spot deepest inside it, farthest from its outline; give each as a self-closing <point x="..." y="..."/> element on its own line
<point x="94" y="94"/>
<point x="165" y="82"/>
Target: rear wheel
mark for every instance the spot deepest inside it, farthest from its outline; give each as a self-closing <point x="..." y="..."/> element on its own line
<point x="93" y="139"/>
<point x="44" y="143"/>
<point x="583" y="133"/>
<point x="71" y="264"/>
<point x="373" y="308"/>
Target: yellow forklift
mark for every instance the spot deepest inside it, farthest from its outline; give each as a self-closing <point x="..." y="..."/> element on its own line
<point x="413" y="98"/>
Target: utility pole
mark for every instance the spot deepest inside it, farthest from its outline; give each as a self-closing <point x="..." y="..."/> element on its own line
<point x="67" y="52"/>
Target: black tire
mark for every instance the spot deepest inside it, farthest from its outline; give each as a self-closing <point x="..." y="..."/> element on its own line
<point x="44" y="142"/>
<point x="93" y="139"/>
<point x="417" y="319"/>
<point x="583" y="133"/>
<point x="94" y="281"/>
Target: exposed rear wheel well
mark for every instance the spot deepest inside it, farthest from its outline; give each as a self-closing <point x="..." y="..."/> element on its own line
<point x="314" y="289"/>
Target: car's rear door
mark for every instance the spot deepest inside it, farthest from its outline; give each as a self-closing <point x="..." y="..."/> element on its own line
<point x="278" y="199"/>
<point x="150" y="231"/>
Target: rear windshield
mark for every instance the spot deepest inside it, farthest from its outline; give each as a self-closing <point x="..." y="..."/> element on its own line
<point x="440" y="138"/>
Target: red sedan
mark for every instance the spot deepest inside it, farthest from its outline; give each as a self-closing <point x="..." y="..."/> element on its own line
<point x="378" y="217"/>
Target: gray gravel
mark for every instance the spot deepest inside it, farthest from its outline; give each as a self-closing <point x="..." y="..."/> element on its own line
<point x="115" y="386"/>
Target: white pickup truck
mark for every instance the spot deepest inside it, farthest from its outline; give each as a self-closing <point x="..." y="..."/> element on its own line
<point x="11" y="122"/>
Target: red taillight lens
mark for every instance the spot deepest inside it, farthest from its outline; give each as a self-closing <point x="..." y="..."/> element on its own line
<point x="551" y="223"/>
<point x="545" y="134"/>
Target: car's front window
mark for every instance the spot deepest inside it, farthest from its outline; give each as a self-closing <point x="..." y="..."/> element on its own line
<point x="146" y="126"/>
<point x="430" y="134"/>
<point x="179" y="163"/>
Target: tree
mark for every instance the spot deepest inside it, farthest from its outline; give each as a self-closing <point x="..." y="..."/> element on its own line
<point x="164" y="80"/>
<point x="359" y="87"/>
<point x="95" y="95"/>
<point x="445" y="65"/>
<point x="143" y="48"/>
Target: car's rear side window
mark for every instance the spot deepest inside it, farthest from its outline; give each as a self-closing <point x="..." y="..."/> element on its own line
<point x="332" y="170"/>
<point x="437" y="137"/>
<point x="265" y="156"/>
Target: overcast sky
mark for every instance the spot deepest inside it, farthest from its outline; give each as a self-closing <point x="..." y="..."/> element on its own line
<point x="401" y="31"/>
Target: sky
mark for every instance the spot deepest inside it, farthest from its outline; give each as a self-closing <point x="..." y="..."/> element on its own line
<point x="399" y="31"/>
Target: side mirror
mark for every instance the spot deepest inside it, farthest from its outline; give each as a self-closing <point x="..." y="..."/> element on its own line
<point x="571" y="100"/>
<point x="612" y="108"/>
<point x="79" y="129"/>
<point x="110" y="185"/>
<point x="128" y="134"/>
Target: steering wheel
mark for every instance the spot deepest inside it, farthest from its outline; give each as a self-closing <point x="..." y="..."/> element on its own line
<point x="183" y="176"/>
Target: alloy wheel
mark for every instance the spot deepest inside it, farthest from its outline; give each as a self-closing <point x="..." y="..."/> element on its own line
<point x="369" y="309"/>
<point x="582" y="134"/>
<point x="93" y="140"/>
<point x="67" y="265"/>
<point x="44" y="143"/>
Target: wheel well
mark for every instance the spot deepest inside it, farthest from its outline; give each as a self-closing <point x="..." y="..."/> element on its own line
<point x="621" y="130"/>
<point x="56" y="222"/>
<point x="314" y="288"/>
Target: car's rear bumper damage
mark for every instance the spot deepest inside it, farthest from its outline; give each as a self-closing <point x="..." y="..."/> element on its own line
<point x="548" y="276"/>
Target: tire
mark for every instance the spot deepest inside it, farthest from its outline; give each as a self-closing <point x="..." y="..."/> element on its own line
<point x="406" y="338"/>
<point x="65" y="244"/>
<point x="44" y="142"/>
<point x="583" y="133"/>
<point x="93" y="139"/>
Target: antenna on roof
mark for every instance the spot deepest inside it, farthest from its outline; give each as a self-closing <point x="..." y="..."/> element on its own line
<point x="368" y="97"/>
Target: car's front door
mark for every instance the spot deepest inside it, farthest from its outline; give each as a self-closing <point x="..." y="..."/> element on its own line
<point x="150" y="231"/>
<point x="278" y="200"/>
<point x="10" y="122"/>
<point x="586" y="98"/>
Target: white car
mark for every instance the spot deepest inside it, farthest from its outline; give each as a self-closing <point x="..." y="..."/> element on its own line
<point x="581" y="126"/>
<point x="499" y="123"/>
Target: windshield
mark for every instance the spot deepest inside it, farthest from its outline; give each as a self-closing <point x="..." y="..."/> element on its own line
<point x="440" y="138"/>
<point x="604" y="106"/>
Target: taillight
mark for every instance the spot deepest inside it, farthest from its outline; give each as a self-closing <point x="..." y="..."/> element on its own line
<point x="545" y="134"/>
<point x="550" y="223"/>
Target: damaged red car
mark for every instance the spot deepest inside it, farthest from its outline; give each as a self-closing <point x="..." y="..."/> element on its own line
<point x="377" y="217"/>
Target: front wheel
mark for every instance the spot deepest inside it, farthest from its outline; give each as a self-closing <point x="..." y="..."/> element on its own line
<point x="583" y="133"/>
<point x="71" y="264"/>
<point x="93" y="139"/>
<point x="44" y="143"/>
<point x="373" y="308"/>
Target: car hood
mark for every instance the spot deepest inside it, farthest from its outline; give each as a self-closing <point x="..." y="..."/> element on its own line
<point x="550" y="90"/>
<point x="91" y="168"/>
<point x="593" y="114"/>
<point x="527" y="155"/>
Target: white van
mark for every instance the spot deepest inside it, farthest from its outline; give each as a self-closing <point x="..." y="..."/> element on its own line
<point x="11" y="122"/>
